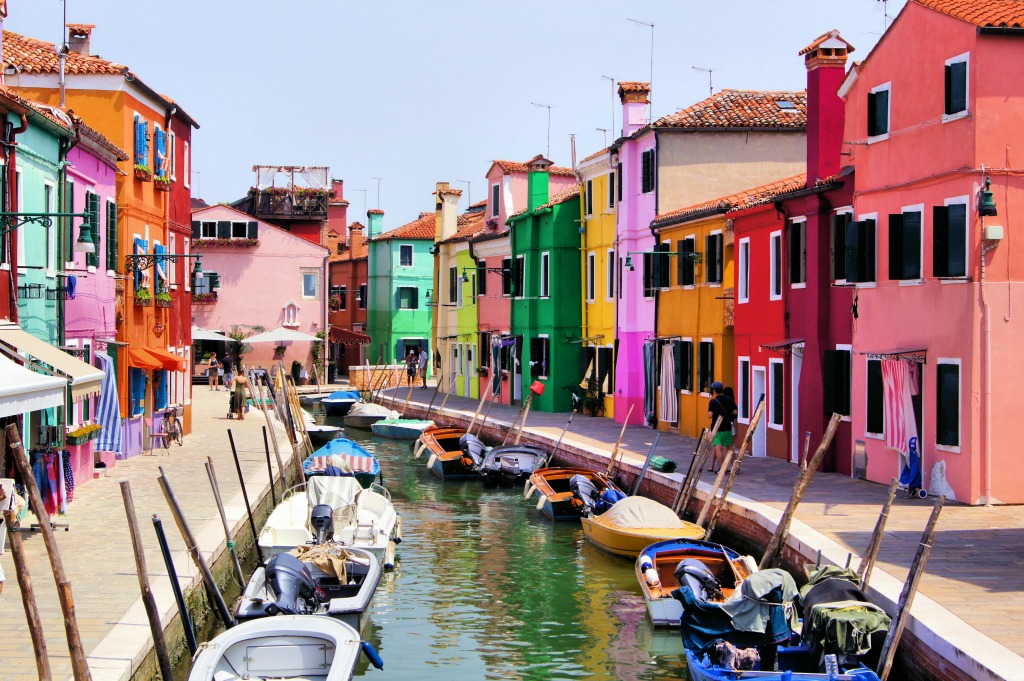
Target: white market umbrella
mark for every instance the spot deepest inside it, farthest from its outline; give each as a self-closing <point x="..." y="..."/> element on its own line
<point x="203" y="334"/>
<point x="281" y="335"/>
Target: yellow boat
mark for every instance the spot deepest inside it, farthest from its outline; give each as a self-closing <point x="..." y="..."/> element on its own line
<point x="634" y="523"/>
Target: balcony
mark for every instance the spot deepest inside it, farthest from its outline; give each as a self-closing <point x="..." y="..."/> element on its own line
<point x="290" y="203"/>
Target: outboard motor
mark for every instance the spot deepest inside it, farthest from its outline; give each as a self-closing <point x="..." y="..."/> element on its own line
<point x="473" y="448"/>
<point x="584" y="490"/>
<point x="288" y="580"/>
<point x="695" y="574"/>
<point x="321" y="519"/>
<point x="607" y="500"/>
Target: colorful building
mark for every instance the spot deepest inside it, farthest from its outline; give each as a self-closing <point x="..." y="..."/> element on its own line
<point x="349" y="288"/>
<point x="929" y="114"/>
<point x="546" y="289"/>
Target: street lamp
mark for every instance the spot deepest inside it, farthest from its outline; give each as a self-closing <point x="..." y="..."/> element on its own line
<point x="12" y="221"/>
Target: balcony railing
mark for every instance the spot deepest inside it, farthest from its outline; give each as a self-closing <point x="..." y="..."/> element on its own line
<point x="295" y="204"/>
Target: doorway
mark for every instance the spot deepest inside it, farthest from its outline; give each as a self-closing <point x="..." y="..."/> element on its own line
<point x="759" y="381"/>
<point x="470" y="371"/>
<point x="796" y="358"/>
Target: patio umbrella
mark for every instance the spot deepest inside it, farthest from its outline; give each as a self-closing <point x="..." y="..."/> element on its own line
<point x="280" y="335"/>
<point x="203" y="334"/>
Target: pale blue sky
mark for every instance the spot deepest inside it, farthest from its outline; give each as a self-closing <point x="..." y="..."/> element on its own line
<point x="416" y="92"/>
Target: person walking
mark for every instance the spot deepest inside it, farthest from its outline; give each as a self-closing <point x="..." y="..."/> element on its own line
<point x="424" y="359"/>
<point x="724" y="406"/>
<point x="229" y="374"/>
<point x="239" y="396"/>
<point x="214" y="373"/>
<point x="412" y="362"/>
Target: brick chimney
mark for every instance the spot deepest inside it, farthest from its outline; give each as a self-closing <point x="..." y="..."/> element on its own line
<point x="825" y="59"/>
<point x="446" y="215"/>
<point x="337" y="207"/>
<point x="374" y="221"/>
<point x="78" y="38"/>
<point x="356" y="241"/>
<point x="538" y="187"/>
<point x="635" y="98"/>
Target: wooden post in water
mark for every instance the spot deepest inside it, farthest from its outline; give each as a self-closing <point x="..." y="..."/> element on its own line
<point x="613" y="459"/>
<point x="479" y="408"/>
<point x="690" y="484"/>
<point x="152" y="613"/>
<point x="733" y="463"/>
<point x="867" y="562"/>
<point x="230" y="541"/>
<point x="245" y="497"/>
<point x="924" y="550"/>
<point x="690" y="471"/>
<point x="526" y="412"/>
<point x="516" y="422"/>
<point x="773" y="553"/>
<point x="216" y="600"/>
<point x="451" y="389"/>
<point x="408" y="398"/>
<point x="28" y="597"/>
<point x="726" y="466"/>
<point x="430" y="407"/>
<point x="79" y="665"/>
<point x="273" y="431"/>
<point x="270" y="469"/>
<point x="495" y="394"/>
<point x="551" y="456"/>
<point x="647" y="464"/>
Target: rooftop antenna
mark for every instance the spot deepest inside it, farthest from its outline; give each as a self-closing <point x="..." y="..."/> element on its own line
<point x="548" y="107"/>
<point x="469" y="189"/>
<point x="62" y="55"/>
<point x="711" y="89"/>
<point x="605" y="131"/>
<point x="885" y="14"/>
<point x="613" y="101"/>
<point x="650" y="99"/>
<point x="378" y="189"/>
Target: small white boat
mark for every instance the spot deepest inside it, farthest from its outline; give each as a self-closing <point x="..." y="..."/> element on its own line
<point x="401" y="429"/>
<point x="323" y="579"/>
<point x="339" y="402"/>
<point x="365" y="414"/>
<point x="293" y="647"/>
<point x="362" y="518"/>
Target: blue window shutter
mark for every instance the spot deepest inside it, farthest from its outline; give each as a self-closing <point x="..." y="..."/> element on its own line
<point x="145" y="142"/>
<point x="138" y="141"/>
<point x="161" y="153"/>
<point x="161" y="390"/>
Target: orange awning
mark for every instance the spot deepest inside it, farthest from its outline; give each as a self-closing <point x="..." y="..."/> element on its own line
<point x="165" y="360"/>
<point x="140" y="359"/>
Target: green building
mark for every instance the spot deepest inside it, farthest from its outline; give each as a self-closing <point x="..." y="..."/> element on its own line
<point x="546" y="311"/>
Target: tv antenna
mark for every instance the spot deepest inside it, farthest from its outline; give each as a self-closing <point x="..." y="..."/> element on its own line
<point x="711" y="89"/>
<point x="650" y="99"/>
<point x="548" y="107"/>
<point x="469" y="189"/>
<point x="613" y="101"/>
<point x="605" y="131"/>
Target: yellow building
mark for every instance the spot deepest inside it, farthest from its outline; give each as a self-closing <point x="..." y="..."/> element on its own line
<point x="600" y="198"/>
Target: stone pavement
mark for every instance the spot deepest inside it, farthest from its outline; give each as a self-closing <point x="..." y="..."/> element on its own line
<point x="974" y="586"/>
<point x="97" y="551"/>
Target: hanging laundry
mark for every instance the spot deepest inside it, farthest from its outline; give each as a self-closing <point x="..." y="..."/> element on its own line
<point x="51" y="498"/>
<point x="69" y="476"/>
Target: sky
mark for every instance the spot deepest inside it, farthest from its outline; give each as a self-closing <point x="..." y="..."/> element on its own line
<point x="396" y="95"/>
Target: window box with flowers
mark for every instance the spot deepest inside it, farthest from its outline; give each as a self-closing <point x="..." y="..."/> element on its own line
<point x="143" y="172"/>
<point x="143" y="296"/>
<point x="202" y="298"/>
<point x="162" y="183"/>
<point x="237" y="243"/>
<point x="504" y="374"/>
<point x="334" y="302"/>
<point x="483" y="371"/>
<point x="83" y="434"/>
<point x="163" y="299"/>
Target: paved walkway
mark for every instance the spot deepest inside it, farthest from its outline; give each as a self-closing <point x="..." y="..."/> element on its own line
<point x="973" y="576"/>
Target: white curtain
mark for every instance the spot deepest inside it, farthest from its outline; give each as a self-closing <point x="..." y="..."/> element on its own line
<point x="669" y="408"/>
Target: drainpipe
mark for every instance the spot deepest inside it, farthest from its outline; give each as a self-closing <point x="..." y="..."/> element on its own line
<point x="986" y="394"/>
<point x="10" y="160"/>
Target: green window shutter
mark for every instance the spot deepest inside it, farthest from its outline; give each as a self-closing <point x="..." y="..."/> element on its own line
<point x="940" y="239"/>
<point x="112" y="237"/>
<point x="677" y="357"/>
<point x="840" y="224"/>
<point x="223" y="229"/>
<point x="415" y="302"/>
<point x="912" y="245"/>
<point x="252" y="230"/>
<point x="957" y="243"/>
<point x="875" y="398"/>
<point x="92" y="208"/>
<point x="852" y="252"/>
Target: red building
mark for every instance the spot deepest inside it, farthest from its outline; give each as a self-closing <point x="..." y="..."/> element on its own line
<point x="348" y="276"/>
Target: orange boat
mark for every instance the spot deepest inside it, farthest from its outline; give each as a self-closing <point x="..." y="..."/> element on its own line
<point x="557" y="498"/>
<point x="447" y="460"/>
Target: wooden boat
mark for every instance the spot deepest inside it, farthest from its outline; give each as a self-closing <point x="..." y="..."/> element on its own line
<point x="634" y="523"/>
<point x="400" y="429"/>
<point x="323" y="579"/>
<point x="511" y="464"/>
<point x="701" y="669"/>
<point x="365" y="414"/>
<point x="339" y="402"/>
<point x="320" y="435"/>
<point x="656" y="566"/>
<point x="447" y="460"/>
<point x="308" y="399"/>
<point x="557" y="500"/>
<point x="362" y="518"/>
<point x="346" y="455"/>
<point x="282" y="648"/>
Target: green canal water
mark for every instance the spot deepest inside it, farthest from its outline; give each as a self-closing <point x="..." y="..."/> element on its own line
<point x="486" y="588"/>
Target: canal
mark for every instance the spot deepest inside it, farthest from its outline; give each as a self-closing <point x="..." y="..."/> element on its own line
<point x="485" y="588"/>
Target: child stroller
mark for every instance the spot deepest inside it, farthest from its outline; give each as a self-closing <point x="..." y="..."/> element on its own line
<point x="234" y="403"/>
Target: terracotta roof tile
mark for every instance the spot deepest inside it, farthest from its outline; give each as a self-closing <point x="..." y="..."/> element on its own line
<point x="449" y="191"/>
<point x="996" y="13"/>
<point x="596" y="154"/>
<point x="748" y="198"/>
<point x="514" y="167"/>
<point x="469" y="226"/>
<point x="31" y="55"/>
<point x="560" y="197"/>
<point x="420" y="228"/>
<point x="742" y="109"/>
<point x="634" y="86"/>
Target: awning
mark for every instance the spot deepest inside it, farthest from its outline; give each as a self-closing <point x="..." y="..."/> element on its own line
<point x="139" y="359"/>
<point x="280" y="335"/>
<point x="85" y="379"/>
<point x="918" y="355"/>
<point x="23" y="391"/>
<point x="205" y="334"/>
<point x="165" y="360"/>
<point x="782" y="345"/>
<point x="346" y="337"/>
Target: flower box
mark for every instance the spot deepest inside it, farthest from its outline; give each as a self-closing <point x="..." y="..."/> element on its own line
<point x="162" y="186"/>
<point x="200" y="298"/>
<point x="143" y="173"/>
<point x="163" y="302"/>
<point x="143" y="301"/>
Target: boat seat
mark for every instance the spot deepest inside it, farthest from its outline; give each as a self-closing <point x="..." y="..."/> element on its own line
<point x="286" y="536"/>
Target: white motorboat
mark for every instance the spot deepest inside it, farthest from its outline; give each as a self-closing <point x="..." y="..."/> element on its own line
<point x="361" y="518"/>
<point x="294" y="647"/>
<point x="365" y="414"/>
<point x="322" y="579"/>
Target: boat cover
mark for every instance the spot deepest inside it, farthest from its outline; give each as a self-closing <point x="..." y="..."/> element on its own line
<point x="704" y="623"/>
<point x="348" y="463"/>
<point x="837" y="613"/>
<point x="751" y="606"/>
<point x="372" y="409"/>
<point x="335" y="492"/>
<point x="640" y="512"/>
<point x="343" y="395"/>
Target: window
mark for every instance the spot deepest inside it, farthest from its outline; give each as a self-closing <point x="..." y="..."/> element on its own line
<point x="187" y="160"/>
<point x="172" y="155"/>
<point x="343" y="298"/>
<point x="743" y="396"/>
<point x="405" y="255"/>
<point x="50" y="203"/>
<point x="648" y="275"/>
<point x="777" y="406"/>
<point x="744" y="271"/>
<point x="609" y="283"/>
<point x="875" y="400"/>
<point x="472" y="287"/>
<point x="311" y="284"/>
<point x="186" y="244"/>
<point x="208" y="230"/>
<point x="481" y="279"/>
<point x="836" y="375"/>
<point x="661" y="269"/>
<point x="137" y="391"/>
<point x="408" y="298"/>
<point x="647" y="171"/>
<point x="92" y="207"/>
<point x="545" y="275"/>
<point x="540" y="357"/>
<point x="159" y="151"/>
<point x="362" y="296"/>
<point x="956" y="86"/>
<point x="239" y="230"/>
<point x="798" y="253"/>
<point x="878" y="111"/>
<point x="485" y="349"/>
<point x="840" y="224"/>
<point x="590" y="197"/>
<point x="591" y="265"/>
<point x="495" y="197"/>
<point x="947" y="406"/>
<point x="172" y="267"/>
<point x="905" y="245"/>
<point x="507" y="276"/>
<point x="70" y="234"/>
<point x="713" y="258"/>
<point x="949" y="239"/>
<point x="519" y="276"/>
<point x="141" y="141"/>
<point x="705" y="365"/>
<point x="684" y="264"/>
<point x="111" y="236"/>
<point x="683" y="355"/>
<point x="618" y="181"/>
<point x="453" y="284"/>
<point x="611" y="189"/>
<point x="775" y="267"/>
<point x="860" y="251"/>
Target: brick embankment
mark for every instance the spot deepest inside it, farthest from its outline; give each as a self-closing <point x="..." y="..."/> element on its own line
<point x="966" y="621"/>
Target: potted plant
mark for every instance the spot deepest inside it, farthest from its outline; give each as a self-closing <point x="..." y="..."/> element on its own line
<point x="162" y="183"/>
<point x="504" y="374"/>
<point x="593" y="403"/>
<point x="143" y="173"/>
<point x="279" y="351"/>
<point x="81" y="435"/>
<point x="163" y="299"/>
<point x="143" y="296"/>
<point x="210" y="297"/>
<point x="483" y="371"/>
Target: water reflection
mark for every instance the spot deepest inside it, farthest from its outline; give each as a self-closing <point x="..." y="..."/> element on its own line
<point x="485" y="588"/>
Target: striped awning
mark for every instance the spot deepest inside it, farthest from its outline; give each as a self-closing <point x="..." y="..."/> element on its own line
<point x="85" y="379"/>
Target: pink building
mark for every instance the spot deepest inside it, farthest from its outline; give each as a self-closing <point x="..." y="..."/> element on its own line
<point x="931" y="116"/>
<point x="267" y="276"/>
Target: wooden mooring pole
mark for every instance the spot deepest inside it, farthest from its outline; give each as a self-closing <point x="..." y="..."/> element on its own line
<point x="867" y="562"/>
<point x="28" y="597"/>
<point x="614" y="458"/>
<point x="717" y="502"/>
<point x="228" y="539"/>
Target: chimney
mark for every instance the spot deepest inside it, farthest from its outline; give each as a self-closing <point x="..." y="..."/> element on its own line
<point x="635" y="98"/>
<point x="538" y="189"/>
<point x="446" y="221"/>
<point x="374" y="220"/>
<point x="825" y="59"/>
<point x="356" y="241"/>
<point x="78" y="38"/>
<point x="337" y="207"/>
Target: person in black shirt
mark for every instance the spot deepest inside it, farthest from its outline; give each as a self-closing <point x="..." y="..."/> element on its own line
<point x="724" y="406"/>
